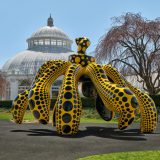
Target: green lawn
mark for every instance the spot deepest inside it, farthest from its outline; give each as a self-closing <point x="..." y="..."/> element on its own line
<point x="88" y="116"/>
<point x="142" y="155"/>
<point x="6" y="115"/>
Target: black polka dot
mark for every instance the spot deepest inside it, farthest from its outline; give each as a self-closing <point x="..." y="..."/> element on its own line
<point x="128" y="91"/>
<point x="67" y="105"/>
<point x="36" y="93"/>
<point x="19" y="101"/>
<point x="38" y="102"/>
<point x="128" y="109"/>
<point x="36" y="97"/>
<point x="116" y="91"/>
<point x="131" y="120"/>
<point x="36" y="114"/>
<point x="127" y="104"/>
<point x="124" y="99"/>
<point x="22" y="98"/>
<point x="128" y="115"/>
<point x="68" y="95"/>
<point x="39" y="107"/>
<point x="117" y="98"/>
<point x="66" y="118"/>
<point x="70" y="71"/>
<point x="120" y="94"/>
<point x="31" y="104"/>
<point x="66" y="129"/>
<point x="68" y="82"/>
<point x="15" y="112"/>
<point x="68" y="88"/>
<point x="16" y="106"/>
<point x="101" y="70"/>
<point x="120" y="102"/>
<point x="134" y="102"/>
<point x="69" y="75"/>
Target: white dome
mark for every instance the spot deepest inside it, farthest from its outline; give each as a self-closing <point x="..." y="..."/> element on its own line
<point x="47" y="31"/>
<point x="28" y="62"/>
<point x="49" y="39"/>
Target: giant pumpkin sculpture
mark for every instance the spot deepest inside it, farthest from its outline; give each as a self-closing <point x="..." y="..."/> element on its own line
<point x="114" y="94"/>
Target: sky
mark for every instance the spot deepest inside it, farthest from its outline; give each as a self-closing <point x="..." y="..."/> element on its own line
<point x="77" y="18"/>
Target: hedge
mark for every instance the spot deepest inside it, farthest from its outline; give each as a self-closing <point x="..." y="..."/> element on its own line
<point x="5" y="103"/>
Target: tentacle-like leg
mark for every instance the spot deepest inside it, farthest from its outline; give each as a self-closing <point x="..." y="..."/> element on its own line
<point x="39" y="95"/>
<point x="20" y="103"/>
<point x="115" y="98"/>
<point x="45" y="66"/>
<point x="147" y="107"/>
<point x="19" y="106"/>
<point x="69" y="105"/>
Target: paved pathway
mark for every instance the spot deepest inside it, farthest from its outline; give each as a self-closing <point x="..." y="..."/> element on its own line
<point x="41" y="142"/>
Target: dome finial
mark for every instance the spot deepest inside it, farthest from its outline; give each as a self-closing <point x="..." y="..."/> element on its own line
<point x="50" y="21"/>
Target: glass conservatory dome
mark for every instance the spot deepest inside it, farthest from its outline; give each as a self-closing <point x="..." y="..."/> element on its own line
<point x="48" y="42"/>
<point x="49" y="39"/>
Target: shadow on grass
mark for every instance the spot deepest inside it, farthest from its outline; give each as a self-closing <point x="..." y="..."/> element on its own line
<point x="102" y="132"/>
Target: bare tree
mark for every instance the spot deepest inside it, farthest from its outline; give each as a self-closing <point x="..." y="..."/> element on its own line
<point x="133" y="45"/>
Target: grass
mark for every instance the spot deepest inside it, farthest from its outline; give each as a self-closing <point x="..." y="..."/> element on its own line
<point x="89" y="115"/>
<point x="142" y="155"/>
<point x="6" y="115"/>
